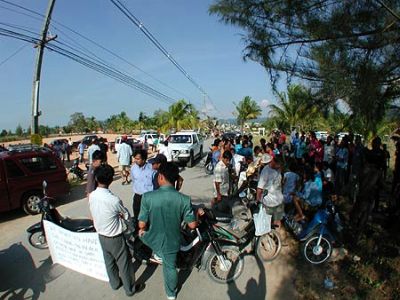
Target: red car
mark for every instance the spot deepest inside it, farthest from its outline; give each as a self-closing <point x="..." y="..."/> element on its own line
<point x="22" y="171"/>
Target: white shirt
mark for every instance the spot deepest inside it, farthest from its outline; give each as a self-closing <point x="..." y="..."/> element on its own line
<point x="221" y="175"/>
<point x="271" y="181"/>
<point x="124" y="154"/>
<point x="329" y="152"/>
<point x="165" y="151"/>
<point x="106" y="210"/>
<point x="91" y="150"/>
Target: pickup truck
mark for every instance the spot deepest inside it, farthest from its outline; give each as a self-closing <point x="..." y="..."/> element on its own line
<point x="22" y="171"/>
<point x="185" y="147"/>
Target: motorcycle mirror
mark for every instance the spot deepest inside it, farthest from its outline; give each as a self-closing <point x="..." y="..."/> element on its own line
<point x="44" y="185"/>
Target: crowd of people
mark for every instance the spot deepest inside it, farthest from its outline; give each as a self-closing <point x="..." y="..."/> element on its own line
<point x="298" y="171"/>
<point x="302" y="171"/>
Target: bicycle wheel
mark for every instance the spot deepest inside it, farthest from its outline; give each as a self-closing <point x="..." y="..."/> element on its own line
<point x="269" y="246"/>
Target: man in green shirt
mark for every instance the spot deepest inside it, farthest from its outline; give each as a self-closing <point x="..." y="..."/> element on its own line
<point x="161" y="214"/>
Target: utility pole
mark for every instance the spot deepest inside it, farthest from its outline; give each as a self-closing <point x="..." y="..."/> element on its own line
<point x="36" y="78"/>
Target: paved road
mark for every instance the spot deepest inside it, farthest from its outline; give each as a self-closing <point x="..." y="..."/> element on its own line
<point x="28" y="273"/>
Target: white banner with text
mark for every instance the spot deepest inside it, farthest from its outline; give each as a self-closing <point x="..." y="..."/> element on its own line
<point x="79" y="251"/>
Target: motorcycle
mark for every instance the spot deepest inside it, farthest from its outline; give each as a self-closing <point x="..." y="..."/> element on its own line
<point x="319" y="235"/>
<point x="267" y="247"/>
<point x="37" y="235"/>
<point x="208" y="165"/>
<point x="199" y="249"/>
<point x="77" y="171"/>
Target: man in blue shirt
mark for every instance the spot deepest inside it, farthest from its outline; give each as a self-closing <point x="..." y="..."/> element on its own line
<point x="81" y="149"/>
<point x="245" y="150"/>
<point x="142" y="179"/>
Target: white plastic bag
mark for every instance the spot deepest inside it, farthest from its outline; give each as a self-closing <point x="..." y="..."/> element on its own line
<point x="262" y="221"/>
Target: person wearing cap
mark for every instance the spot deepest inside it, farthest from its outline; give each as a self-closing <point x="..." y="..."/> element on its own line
<point x="124" y="156"/>
<point x="271" y="182"/>
<point x="156" y="163"/>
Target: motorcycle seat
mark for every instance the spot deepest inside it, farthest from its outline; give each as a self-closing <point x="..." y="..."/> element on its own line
<point x="78" y="225"/>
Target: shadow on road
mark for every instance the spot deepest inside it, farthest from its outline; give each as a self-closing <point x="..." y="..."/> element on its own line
<point x="147" y="273"/>
<point x="19" y="277"/>
<point x="254" y="289"/>
<point x="11" y="215"/>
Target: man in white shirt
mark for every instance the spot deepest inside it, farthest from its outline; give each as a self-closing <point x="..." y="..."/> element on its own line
<point x="107" y="212"/>
<point x="93" y="147"/>
<point x="124" y="156"/>
<point x="165" y="151"/>
<point x="271" y="182"/>
<point x="221" y="180"/>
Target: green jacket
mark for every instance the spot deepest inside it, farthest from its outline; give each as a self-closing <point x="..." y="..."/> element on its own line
<point x="164" y="210"/>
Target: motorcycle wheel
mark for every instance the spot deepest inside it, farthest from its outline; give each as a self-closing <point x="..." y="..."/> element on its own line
<point x="209" y="169"/>
<point x="269" y="246"/>
<point x="233" y="261"/>
<point x="317" y="254"/>
<point x="38" y="240"/>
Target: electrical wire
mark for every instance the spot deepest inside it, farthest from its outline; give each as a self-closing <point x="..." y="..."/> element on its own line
<point x="87" y="39"/>
<point x="13" y="54"/>
<point x="95" y="65"/>
<point x="154" y="40"/>
<point x="151" y="37"/>
<point x="137" y="22"/>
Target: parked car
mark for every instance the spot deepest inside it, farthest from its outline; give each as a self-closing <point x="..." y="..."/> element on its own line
<point x="230" y="135"/>
<point x="22" y="171"/>
<point x="134" y="143"/>
<point x="89" y="138"/>
<point x="185" y="147"/>
<point x="150" y="137"/>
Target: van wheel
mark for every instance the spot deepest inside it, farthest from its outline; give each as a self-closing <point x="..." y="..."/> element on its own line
<point x="190" y="163"/>
<point x="30" y="202"/>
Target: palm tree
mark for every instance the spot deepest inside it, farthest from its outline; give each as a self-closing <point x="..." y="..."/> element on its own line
<point x="247" y="109"/>
<point x="295" y="108"/>
<point x="181" y="115"/>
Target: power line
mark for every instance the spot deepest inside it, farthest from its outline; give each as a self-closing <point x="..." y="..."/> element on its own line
<point x="97" y="66"/>
<point x="151" y="37"/>
<point x="87" y="39"/>
<point x="13" y="54"/>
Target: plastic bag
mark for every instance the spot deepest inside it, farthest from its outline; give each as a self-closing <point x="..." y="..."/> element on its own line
<point x="262" y="221"/>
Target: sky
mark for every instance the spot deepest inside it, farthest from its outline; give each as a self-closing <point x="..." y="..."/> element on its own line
<point x="210" y="51"/>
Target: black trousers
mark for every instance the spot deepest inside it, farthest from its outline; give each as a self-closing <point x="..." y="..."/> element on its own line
<point x="137" y="199"/>
<point x="118" y="262"/>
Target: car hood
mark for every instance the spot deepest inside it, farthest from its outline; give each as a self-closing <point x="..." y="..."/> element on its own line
<point x="179" y="146"/>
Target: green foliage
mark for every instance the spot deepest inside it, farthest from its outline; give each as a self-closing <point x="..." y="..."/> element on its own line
<point x="345" y="49"/>
<point x="3" y="132"/>
<point x="247" y="109"/>
<point x="181" y="115"/>
<point x="19" y="131"/>
<point x="78" y="122"/>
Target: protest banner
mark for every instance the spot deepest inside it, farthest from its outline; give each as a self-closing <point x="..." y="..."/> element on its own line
<point x="79" y="251"/>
